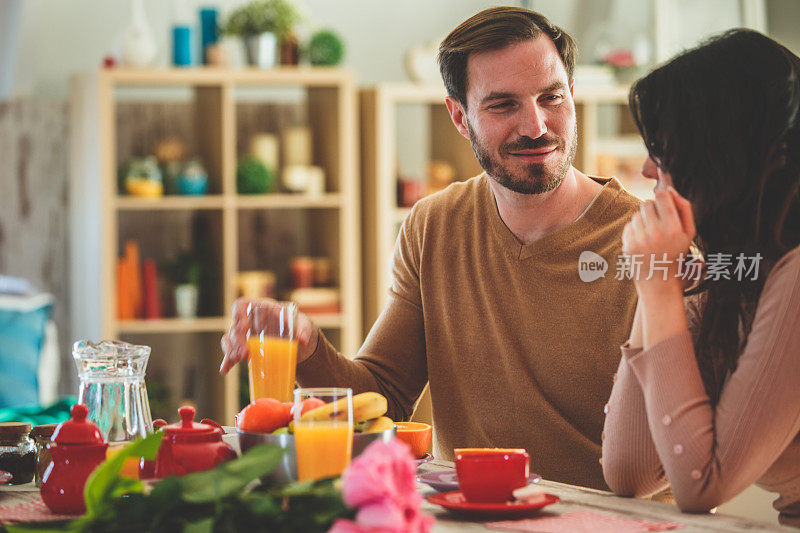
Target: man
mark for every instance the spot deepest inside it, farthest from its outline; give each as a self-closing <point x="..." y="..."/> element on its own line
<point x="487" y="302"/>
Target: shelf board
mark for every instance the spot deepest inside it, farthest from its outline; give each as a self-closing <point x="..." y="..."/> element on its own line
<point x="129" y="203"/>
<point x="174" y="325"/>
<point x="255" y="201"/>
<point x="413" y="93"/>
<point x="327" y="320"/>
<point x="423" y="93"/>
<point x="623" y="146"/>
<point x="615" y="94"/>
<point x="211" y="76"/>
<point x="288" y="201"/>
<point x="208" y="324"/>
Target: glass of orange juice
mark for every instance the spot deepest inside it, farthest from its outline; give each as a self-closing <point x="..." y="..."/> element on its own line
<point x="272" y="347"/>
<point x="323" y="444"/>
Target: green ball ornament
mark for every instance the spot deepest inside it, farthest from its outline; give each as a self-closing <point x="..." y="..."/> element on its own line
<point x="254" y="177"/>
<point x="326" y="48"/>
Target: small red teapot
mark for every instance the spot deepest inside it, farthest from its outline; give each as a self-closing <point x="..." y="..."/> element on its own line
<point x="77" y="448"/>
<point x="190" y="446"/>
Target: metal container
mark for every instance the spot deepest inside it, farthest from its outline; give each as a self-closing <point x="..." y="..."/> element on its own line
<point x="286" y="470"/>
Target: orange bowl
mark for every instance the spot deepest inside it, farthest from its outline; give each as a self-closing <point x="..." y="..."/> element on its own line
<point x="416" y="435"/>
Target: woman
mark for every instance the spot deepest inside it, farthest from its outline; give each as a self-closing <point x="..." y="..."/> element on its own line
<point x="707" y="396"/>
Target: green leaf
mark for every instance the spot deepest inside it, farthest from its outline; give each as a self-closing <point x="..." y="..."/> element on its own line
<point x="206" y="525"/>
<point x="166" y="490"/>
<point x="322" y="487"/>
<point x="42" y="527"/>
<point x="230" y="477"/>
<point x="260" y="504"/>
<point x="104" y="484"/>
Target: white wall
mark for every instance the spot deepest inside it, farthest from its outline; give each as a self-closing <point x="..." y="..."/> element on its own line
<point x="60" y="37"/>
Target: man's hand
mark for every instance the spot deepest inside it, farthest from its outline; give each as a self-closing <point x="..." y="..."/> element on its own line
<point x="234" y="343"/>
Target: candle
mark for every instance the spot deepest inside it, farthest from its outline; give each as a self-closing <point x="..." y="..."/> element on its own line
<point x="264" y="146"/>
<point x="297" y="146"/>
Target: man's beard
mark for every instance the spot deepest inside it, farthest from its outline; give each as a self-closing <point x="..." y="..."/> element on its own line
<point x="537" y="178"/>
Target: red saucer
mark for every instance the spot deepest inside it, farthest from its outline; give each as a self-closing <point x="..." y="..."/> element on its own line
<point x="455" y="501"/>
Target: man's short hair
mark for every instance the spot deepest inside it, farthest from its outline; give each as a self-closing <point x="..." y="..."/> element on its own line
<point x="495" y="28"/>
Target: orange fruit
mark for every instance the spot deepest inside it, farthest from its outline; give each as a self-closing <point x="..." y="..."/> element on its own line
<point x="308" y="404"/>
<point x="416" y="435"/>
<point x="264" y="415"/>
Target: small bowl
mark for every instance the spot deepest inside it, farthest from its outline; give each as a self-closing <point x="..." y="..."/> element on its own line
<point x="286" y="470"/>
<point x="417" y="436"/>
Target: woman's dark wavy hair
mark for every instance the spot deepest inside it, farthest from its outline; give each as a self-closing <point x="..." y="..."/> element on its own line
<point x="723" y="119"/>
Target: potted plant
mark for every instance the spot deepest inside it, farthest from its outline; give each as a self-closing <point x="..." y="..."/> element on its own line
<point x="263" y="24"/>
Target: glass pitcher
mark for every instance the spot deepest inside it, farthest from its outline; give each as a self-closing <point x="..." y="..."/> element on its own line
<point x="112" y="388"/>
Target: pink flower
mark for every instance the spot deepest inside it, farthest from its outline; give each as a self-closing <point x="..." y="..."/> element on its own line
<point x="380" y="485"/>
<point x="384" y="515"/>
<point x="342" y="525"/>
<point x="383" y="470"/>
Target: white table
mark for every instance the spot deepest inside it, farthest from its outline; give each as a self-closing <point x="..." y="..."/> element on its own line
<point x="572" y="499"/>
<point x="575" y="498"/>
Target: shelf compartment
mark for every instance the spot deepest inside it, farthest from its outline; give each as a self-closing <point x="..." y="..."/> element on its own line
<point x="183" y="368"/>
<point x="274" y="110"/>
<point x="192" y="114"/>
<point x="165" y="234"/>
<point x="268" y="239"/>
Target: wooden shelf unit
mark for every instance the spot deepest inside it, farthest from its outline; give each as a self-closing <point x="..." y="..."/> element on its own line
<point x="381" y="214"/>
<point x="103" y="218"/>
<point x="618" y="153"/>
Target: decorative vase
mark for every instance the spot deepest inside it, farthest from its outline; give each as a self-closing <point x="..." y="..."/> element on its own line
<point x="290" y="50"/>
<point x="186" y="300"/>
<point x="262" y="49"/>
<point x="193" y="179"/>
<point x="139" y="48"/>
<point x="209" y="35"/>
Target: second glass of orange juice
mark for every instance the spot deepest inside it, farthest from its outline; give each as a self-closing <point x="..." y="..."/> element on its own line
<point x="323" y="446"/>
<point x="273" y="350"/>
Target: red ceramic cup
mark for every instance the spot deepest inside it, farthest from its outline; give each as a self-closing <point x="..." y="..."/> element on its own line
<point x="490" y="475"/>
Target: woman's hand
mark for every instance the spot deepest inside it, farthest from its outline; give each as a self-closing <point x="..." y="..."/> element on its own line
<point x="658" y="237"/>
<point x="234" y="343"/>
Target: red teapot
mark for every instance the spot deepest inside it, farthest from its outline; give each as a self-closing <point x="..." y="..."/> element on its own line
<point x="77" y="448"/>
<point x="190" y="446"/>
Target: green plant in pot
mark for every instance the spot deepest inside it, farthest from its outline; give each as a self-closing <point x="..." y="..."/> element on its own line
<point x="263" y="24"/>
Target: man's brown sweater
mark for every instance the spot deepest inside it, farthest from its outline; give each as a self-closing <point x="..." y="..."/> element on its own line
<point x="519" y="351"/>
